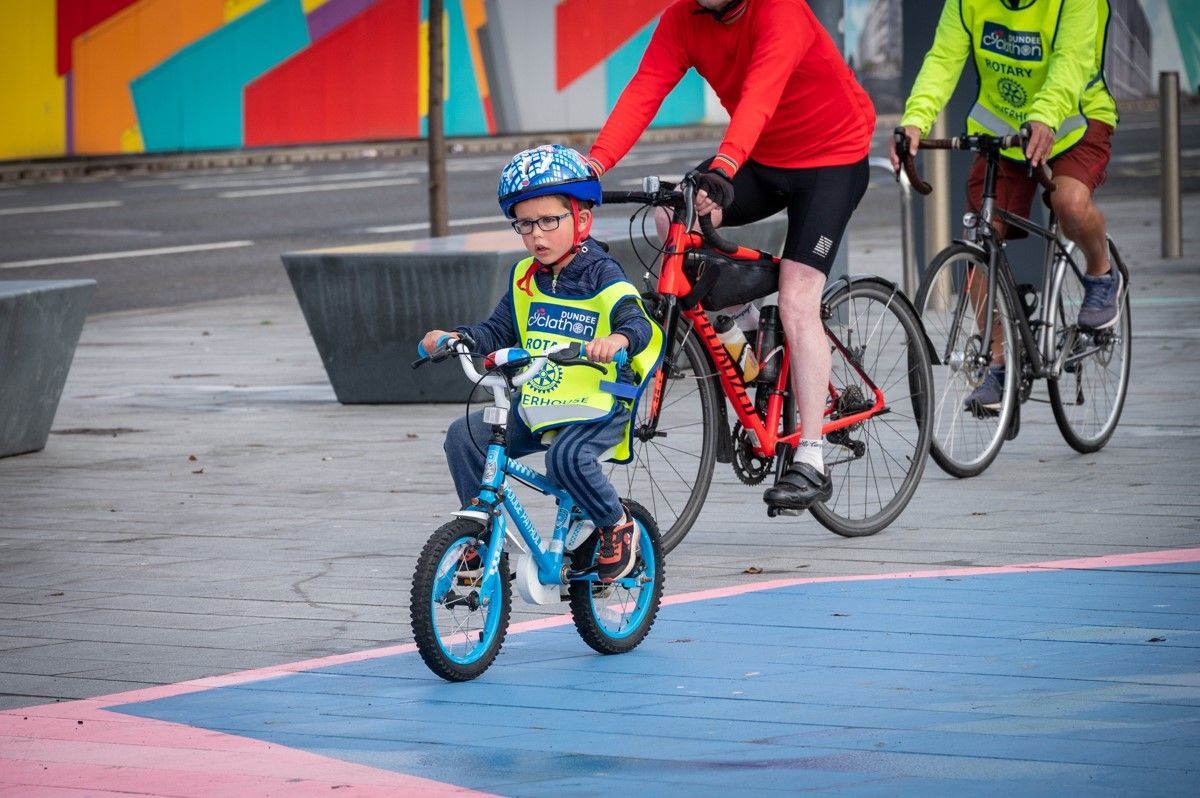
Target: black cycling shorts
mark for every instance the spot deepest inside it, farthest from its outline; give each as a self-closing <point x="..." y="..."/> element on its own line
<point x="819" y="203"/>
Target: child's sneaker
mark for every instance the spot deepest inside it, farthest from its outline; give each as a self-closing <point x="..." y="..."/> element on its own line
<point x="469" y="566"/>
<point x="617" y="550"/>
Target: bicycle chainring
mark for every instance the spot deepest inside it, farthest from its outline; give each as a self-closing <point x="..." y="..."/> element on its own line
<point x="1025" y="382"/>
<point x="751" y="468"/>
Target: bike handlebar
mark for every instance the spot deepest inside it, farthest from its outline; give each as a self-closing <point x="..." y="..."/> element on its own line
<point x="981" y="142"/>
<point x="464" y="348"/>
<point x="668" y="195"/>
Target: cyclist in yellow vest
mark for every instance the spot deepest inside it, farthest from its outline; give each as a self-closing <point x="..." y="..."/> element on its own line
<point x="568" y="290"/>
<point x="1041" y="62"/>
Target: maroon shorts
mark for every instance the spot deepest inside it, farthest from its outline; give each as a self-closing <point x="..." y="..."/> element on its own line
<point x="1087" y="162"/>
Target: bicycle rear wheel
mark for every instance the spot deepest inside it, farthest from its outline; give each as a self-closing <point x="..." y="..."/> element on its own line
<point x="876" y="464"/>
<point x="459" y="616"/>
<point x="614" y="618"/>
<point x="1089" y="394"/>
<point x="672" y="469"/>
<point x="952" y="302"/>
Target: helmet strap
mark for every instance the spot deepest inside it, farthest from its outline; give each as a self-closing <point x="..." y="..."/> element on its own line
<point x="579" y="235"/>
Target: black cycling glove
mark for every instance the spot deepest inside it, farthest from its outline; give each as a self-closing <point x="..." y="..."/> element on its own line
<point x="717" y="186"/>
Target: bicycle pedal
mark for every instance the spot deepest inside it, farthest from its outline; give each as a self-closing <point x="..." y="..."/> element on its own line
<point x="774" y="510"/>
<point x="979" y="411"/>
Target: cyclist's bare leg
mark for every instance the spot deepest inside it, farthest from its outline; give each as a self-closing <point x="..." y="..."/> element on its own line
<point x="1081" y="221"/>
<point x="800" y="289"/>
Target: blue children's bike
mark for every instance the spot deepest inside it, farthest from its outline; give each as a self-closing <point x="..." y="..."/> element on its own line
<point x="462" y="588"/>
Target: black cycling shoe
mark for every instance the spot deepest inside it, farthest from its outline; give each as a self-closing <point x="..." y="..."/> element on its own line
<point x="799" y="488"/>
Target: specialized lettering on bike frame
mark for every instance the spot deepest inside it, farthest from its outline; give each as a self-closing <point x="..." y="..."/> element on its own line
<point x="726" y="366"/>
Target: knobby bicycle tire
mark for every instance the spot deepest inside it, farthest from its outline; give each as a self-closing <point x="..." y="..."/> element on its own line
<point x="438" y="628"/>
<point x="966" y="437"/>
<point x="595" y="606"/>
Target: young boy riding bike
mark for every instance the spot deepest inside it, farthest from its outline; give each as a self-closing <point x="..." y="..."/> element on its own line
<point x="568" y="290"/>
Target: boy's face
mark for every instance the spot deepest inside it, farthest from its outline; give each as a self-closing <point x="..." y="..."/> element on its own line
<point x="549" y="245"/>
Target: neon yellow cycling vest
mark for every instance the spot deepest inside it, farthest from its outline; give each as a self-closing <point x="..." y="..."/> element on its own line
<point x="1042" y="62"/>
<point x="559" y="396"/>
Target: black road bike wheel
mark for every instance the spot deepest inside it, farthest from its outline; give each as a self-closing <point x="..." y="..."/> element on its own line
<point x="1089" y="394"/>
<point x="951" y="302"/>
<point x="875" y="464"/>
<point x="672" y="469"/>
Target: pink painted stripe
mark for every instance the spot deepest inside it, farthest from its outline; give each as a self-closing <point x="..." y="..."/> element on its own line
<point x="45" y="747"/>
<point x="1082" y="563"/>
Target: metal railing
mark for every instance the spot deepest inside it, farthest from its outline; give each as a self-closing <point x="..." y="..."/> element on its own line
<point x="910" y="277"/>
<point x="1172" y="214"/>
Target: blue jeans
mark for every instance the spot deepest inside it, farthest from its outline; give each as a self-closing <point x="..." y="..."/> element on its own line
<point x="572" y="458"/>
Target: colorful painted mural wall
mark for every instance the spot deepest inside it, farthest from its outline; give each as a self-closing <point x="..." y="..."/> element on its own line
<point x="93" y="77"/>
<point x="90" y="77"/>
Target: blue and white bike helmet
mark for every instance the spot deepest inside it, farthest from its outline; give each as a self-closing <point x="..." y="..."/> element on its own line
<point x="548" y="169"/>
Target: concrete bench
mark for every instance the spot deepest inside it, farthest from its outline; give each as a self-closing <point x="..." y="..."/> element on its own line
<point x="40" y="322"/>
<point x="367" y="306"/>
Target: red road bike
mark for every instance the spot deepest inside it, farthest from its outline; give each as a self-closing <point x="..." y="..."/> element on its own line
<point x="876" y="429"/>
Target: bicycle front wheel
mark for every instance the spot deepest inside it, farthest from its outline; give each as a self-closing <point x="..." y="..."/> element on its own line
<point x="875" y="464"/>
<point x="672" y="466"/>
<point x="968" y="430"/>
<point x="1089" y="394"/>
<point x="459" y="614"/>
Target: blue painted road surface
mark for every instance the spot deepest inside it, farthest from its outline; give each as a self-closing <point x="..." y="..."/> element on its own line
<point x="1041" y="681"/>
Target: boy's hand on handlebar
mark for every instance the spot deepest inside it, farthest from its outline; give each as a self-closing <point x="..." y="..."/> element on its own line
<point x="430" y="341"/>
<point x="601" y="350"/>
<point x="914" y="137"/>
<point x="1041" y="139"/>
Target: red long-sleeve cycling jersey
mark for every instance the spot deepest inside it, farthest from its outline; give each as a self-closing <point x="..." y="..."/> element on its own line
<point x="792" y="100"/>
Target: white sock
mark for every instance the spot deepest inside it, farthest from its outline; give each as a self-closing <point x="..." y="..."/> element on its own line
<point x="811" y="452"/>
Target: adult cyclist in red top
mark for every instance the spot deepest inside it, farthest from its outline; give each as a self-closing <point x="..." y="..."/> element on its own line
<point x="799" y="131"/>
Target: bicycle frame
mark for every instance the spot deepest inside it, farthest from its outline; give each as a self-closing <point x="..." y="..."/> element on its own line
<point x="673" y="283"/>
<point x="495" y="491"/>
<point x="1039" y="348"/>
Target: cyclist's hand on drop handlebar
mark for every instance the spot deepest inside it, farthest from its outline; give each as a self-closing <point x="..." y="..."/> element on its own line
<point x="1041" y="139"/>
<point x="602" y="350"/>
<point x="913" y="135"/>
<point x="713" y="191"/>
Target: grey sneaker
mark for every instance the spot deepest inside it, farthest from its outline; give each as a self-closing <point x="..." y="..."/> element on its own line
<point x="989" y="394"/>
<point x="1100" y="295"/>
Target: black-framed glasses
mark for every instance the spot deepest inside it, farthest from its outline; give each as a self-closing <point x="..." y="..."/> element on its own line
<point x="547" y="223"/>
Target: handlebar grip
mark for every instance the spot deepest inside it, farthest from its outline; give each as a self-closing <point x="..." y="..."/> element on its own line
<point x="1045" y="178"/>
<point x="621" y="357"/>
<point x="713" y="238"/>
<point x="908" y="162"/>
<point x="421" y="346"/>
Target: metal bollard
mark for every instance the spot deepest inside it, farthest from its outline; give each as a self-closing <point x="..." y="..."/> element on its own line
<point x="1172" y="213"/>
<point x="908" y="240"/>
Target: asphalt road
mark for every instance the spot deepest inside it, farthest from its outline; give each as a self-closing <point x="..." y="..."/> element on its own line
<point x="169" y="238"/>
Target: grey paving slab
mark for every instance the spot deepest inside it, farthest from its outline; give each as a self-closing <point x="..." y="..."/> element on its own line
<point x="205" y="505"/>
